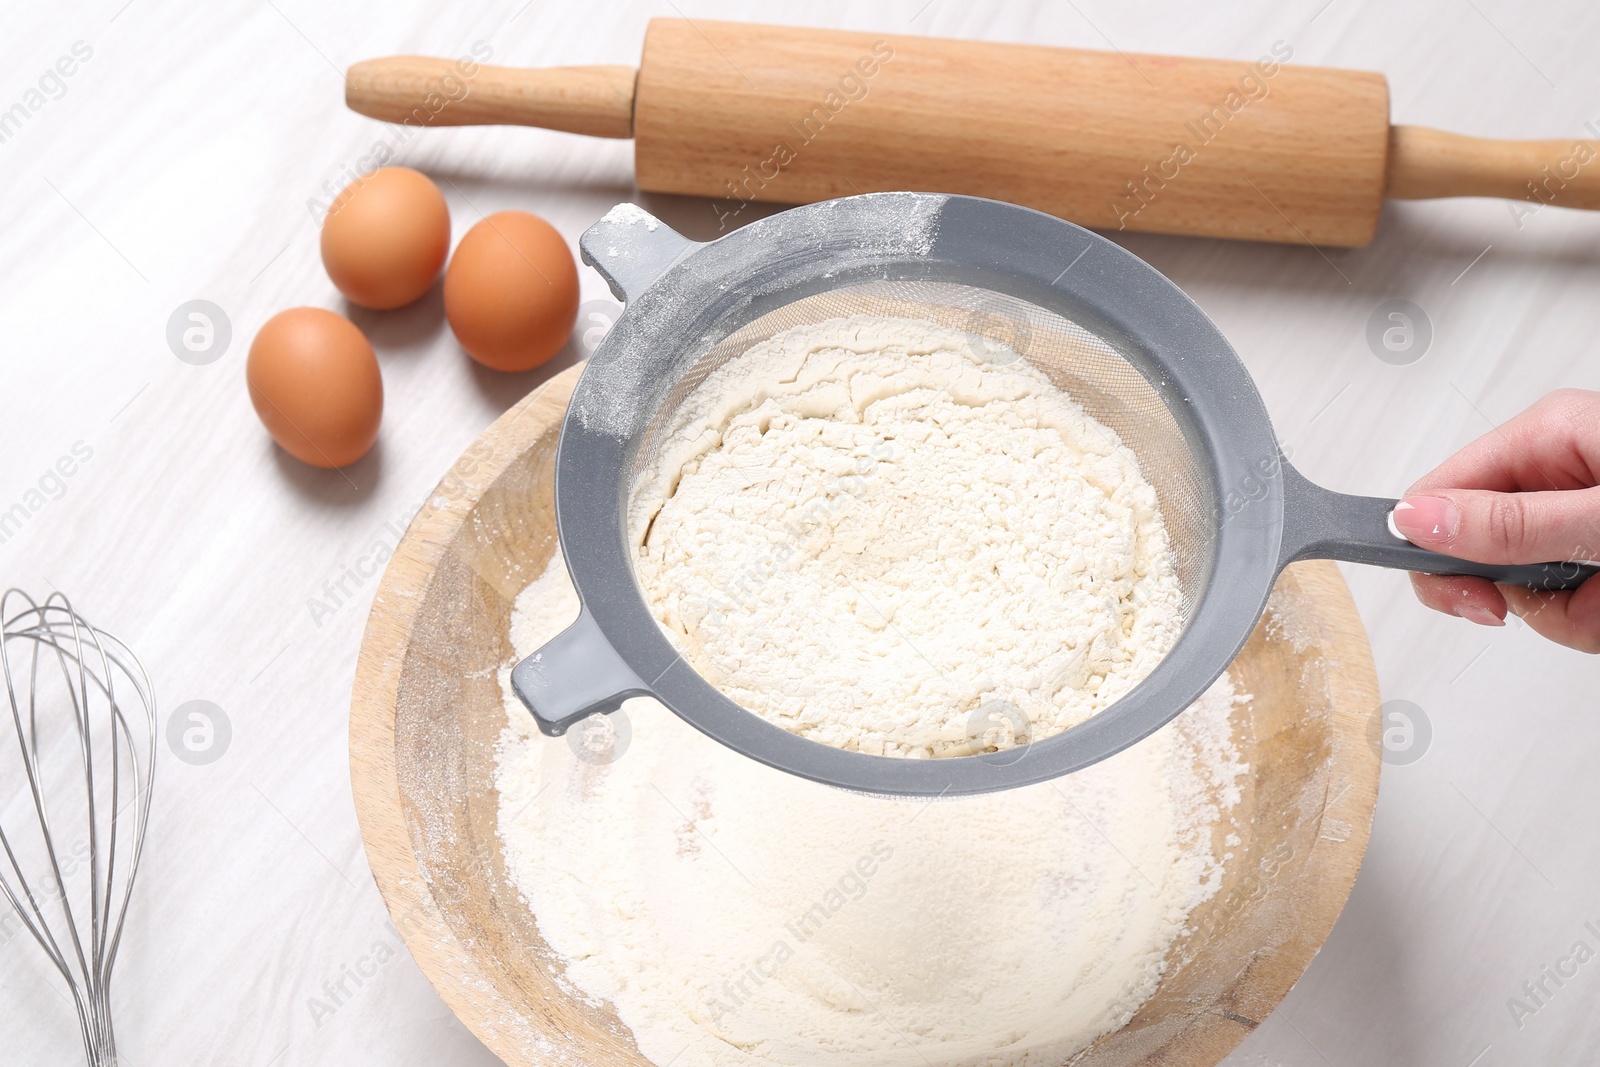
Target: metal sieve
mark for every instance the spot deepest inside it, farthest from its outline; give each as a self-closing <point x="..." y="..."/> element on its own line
<point x="1111" y="331"/>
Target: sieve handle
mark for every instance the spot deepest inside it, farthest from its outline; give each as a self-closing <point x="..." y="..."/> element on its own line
<point x="1322" y="524"/>
<point x="631" y="248"/>
<point x="572" y="676"/>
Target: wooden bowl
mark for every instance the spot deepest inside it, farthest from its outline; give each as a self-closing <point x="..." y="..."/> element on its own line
<point x="427" y="710"/>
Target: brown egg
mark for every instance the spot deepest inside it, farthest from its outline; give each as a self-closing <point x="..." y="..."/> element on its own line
<point x="511" y="293"/>
<point x="386" y="237"/>
<point x="316" y="385"/>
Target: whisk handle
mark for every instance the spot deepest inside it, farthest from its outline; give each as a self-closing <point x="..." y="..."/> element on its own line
<point x="1322" y="524"/>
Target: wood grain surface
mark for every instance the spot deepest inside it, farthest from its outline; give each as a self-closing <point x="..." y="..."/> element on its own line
<point x="1254" y="149"/>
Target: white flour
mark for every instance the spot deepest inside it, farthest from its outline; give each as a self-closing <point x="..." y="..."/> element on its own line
<point x="736" y="916"/>
<point x="895" y="537"/>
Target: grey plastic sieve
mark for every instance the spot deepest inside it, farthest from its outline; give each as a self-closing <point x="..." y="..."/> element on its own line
<point x="1252" y="512"/>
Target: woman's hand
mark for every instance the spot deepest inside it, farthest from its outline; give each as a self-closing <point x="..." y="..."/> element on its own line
<point x="1523" y="493"/>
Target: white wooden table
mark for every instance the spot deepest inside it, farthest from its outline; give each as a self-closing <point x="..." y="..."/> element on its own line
<point x="177" y="162"/>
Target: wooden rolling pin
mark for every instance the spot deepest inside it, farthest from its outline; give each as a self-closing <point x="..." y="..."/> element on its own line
<point x="739" y="112"/>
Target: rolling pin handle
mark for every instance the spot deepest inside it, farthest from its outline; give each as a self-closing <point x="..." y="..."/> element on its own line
<point x="423" y="91"/>
<point x="572" y="676"/>
<point x="631" y="248"/>
<point x="1429" y="164"/>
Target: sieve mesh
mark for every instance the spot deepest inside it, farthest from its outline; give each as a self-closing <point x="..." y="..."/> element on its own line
<point x="1086" y="366"/>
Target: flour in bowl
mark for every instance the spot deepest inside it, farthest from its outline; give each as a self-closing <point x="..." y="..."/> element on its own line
<point x="731" y="915"/>
<point x="877" y="532"/>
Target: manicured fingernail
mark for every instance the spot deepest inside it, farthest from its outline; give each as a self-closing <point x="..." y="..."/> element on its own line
<point x="1427" y="520"/>
<point x="1479" y="614"/>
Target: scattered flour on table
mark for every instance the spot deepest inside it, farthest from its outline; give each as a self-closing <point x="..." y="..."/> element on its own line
<point x="866" y="529"/>
<point x="736" y="916"/>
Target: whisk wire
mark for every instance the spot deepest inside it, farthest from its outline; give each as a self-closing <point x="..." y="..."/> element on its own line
<point x="27" y="741"/>
<point x="89" y="661"/>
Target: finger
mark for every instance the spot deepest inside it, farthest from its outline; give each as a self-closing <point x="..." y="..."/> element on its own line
<point x="1569" y="618"/>
<point x="1474" y="599"/>
<point x="1503" y="527"/>
<point x="1555" y="444"/>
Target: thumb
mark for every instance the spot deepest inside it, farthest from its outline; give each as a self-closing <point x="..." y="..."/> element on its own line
<point x="1502" y="528"/>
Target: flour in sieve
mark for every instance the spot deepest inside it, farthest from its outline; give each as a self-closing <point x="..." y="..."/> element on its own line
<point x="732" y="915"/>
<point x="867" y="529"/>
